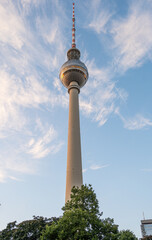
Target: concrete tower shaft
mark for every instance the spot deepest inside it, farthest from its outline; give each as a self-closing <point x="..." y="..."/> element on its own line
<point x="73" y="75"/>
<point x="74" y="164"/>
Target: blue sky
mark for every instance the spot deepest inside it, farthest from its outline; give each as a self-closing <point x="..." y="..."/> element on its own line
<point x="115" y="40"/>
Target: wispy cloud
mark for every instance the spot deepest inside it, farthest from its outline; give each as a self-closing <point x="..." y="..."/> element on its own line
<point x="23" y="156"/>
<point x="28" y="4"/>
<point x="96" y="167"/>
<point x="130" y="43"/>
<point x="135" y="123"/>
<point x="99" y="95"/>
<point x="41" y="147"/>
<point x="50" y="30"/>
<point x="133" y="36"/>
<point x="23" y="51"/>
<point x="100" y="16"/>
<point x="25" y="61"/>
<point x="12" y="26"/>
<point x="15" y="94"/>
<point x="130" y="36"/>
<point x="13" y="165"/>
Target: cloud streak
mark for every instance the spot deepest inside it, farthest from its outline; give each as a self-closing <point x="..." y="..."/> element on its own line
<point x="98" y="97"/>
<point x="41" y="147"/>
<point x="133" y="36"/>
<point x="96" y="167"/>
<point x="12" y="26"/>
<point x="130" y="45"/>
<point x="135" y="123"/>
<point x="26" y="66"/>
<point x="23" y="156"/>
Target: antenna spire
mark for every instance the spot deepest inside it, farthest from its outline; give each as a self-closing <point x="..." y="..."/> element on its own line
<point x="73" y="28"/>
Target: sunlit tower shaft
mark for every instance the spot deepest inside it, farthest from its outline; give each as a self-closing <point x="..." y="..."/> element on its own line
<point x="74" y="163"/>
<point x="73" y="75"/>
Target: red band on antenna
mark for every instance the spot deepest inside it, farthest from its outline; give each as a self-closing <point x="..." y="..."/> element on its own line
<point x="73" y="28"/>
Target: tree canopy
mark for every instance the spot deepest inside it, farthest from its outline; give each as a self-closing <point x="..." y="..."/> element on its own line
<point x="127" y="234"/>
<point x="29" y="229"/>
<point x="81" y="220"/>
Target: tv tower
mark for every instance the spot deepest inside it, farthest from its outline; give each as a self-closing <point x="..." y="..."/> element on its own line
<point x="73" y="75"/>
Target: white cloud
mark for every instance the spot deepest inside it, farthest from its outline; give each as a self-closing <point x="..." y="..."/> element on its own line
<point x="130" y="36"/>
<point x="51" y="31"/>
<point x="98" y="96"/>
<point x="133" y="36"/>
<point x="29" y="90"/>
<point x="11" y="25"/>
<point x="43" y="141"/>
<point x="98" y="15"/>
<point x="18" y="165"/>
<point x="57" y="84"/>
<point x="100" y="18"/>
<point x="131" y="45"/>
<point x="96" y="167"/>
<point x="24" y="152"/>
<point x="135" y="123"/>
<point x="28" y="3"/>
<point x="40" y="147"/>
<point x="13" y="164"/>
<point x="21" y="44"/>
<point x="122" y="94"/>
<point x="15" y="94"/>
<point x="86" y="107"/>
<point x="29" y="59"/>
<point x="138" y="122"/>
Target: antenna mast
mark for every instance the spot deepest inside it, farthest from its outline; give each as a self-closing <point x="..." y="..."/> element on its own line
<point x="73" y="28"/>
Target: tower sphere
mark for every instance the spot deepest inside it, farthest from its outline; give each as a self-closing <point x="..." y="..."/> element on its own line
<point x="73" y="70"/>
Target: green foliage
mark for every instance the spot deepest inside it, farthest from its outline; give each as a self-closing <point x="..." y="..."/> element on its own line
<point x="127" y="234"/>
<point x="83" y="198"/>
<point x="81" y="219"/>
<point x="7" y="233"/>
<point x="30" y="229"/>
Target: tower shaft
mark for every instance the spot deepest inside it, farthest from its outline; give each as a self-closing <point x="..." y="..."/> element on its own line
<point x="74" y="163"/>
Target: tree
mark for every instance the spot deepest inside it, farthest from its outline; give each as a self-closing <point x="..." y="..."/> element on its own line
<point x="127" y="234"/>
<point x="81" y="219"/>
<point x="147" y="237"/>
<point x="29" y="229"/>
<point x="7" y="233"/>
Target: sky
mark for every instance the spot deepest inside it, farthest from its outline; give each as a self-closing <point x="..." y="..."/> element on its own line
<point x="115" y="40"/>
